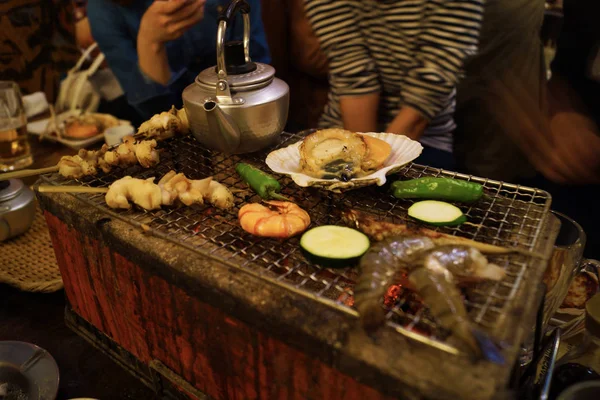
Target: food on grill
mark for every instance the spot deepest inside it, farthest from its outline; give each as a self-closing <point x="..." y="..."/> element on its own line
<point x="433" y="272"/>
<point x="334" y="246"/>
<point x="266" y="186"/>
<point x="165" y="125"/>
<point x="219" y="196"/>
<point x="438" y="189"/>
<point x="379" y="230"/>
<point x="143" y="192"/>
<point x="437" y="213"/>
<point x="311" y="162"/>
<point x="76" y="167"/>
<point x="129" y="153"/>
<point x="378" y="151"/>
<point x="341" y="154"/>
<point x="278" y="219"/>
<point x="176" y="186"/>
<point x="172" y="187"/>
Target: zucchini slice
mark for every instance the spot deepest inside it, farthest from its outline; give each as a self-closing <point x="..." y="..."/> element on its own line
<point x="334" y="246"/>
<point x="438" y="213"/>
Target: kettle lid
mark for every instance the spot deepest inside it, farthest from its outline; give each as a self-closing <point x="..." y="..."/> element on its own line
<point x="259" y="77"/>
<point x="10" y="189"/>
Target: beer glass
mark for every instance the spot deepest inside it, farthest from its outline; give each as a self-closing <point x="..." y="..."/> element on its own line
<point x="565" y="263"/>
<point x="15" y="152"/>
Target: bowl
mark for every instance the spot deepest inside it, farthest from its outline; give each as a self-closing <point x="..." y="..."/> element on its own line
<point x="27" y="372"/>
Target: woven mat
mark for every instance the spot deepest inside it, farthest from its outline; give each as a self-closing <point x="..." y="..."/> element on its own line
<point x="27" y="262"/>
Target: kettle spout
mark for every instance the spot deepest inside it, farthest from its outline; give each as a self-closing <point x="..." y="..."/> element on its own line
<point x="224" y="132"/>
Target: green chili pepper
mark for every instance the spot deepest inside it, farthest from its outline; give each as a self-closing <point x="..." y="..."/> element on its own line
<point x="262" y="183"/>
<point x="438" y="189"/>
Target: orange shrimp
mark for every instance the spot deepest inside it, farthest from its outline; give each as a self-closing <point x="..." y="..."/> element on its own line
<point x="281" y="219"/>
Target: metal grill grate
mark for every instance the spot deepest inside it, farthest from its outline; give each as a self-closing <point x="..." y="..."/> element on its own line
<point x="508" y="215"/>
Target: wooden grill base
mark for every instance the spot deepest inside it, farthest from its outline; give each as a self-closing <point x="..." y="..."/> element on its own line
<point x="156" y="329"/>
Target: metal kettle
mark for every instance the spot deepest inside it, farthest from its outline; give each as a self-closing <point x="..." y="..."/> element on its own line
<point x="239" y="106"/>
<point x="17" y="208"/>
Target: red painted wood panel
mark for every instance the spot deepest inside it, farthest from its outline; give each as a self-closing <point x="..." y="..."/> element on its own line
<point x="219" y="355"/>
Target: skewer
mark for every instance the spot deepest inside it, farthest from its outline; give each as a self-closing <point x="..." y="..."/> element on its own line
<point x="379" y="230"/>
<point x="27" y="172"/>
<point x="70" y="189"/>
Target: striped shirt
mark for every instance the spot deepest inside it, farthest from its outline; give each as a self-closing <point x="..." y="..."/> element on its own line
<point x="411" y="52"/>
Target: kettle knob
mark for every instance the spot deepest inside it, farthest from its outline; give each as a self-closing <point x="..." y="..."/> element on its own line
<point x="235" y="59"/>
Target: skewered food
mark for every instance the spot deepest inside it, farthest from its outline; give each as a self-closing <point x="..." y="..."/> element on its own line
<point x="76" y="167"/>
<point x="433" y="271"/>
<point x="379" y="230"/>
<point x="334" y="246"/>
<point x="437" y="213"/>
<point x="171" y="188"/>
<point x="341" y="154"/>
<point x="278" y="219"/>
<point x="218" y="195"/>
<point x="165" y="125"/>
<point x="438" y="189"/>
<point x="142" y="192"/>
<point x="129" y="153"/>
<point x="178" y="186"/>
<point x="262" y="183"/>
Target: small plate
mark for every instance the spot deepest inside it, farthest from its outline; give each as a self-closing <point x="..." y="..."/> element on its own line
<point x="287" y="161"/>
<point x="39" y="128"/>
<point x="27" y="372"/>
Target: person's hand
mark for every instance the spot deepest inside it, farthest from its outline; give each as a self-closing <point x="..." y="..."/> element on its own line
<point x="164" y="21"/>
<point x="168" y="20"/>
<point x="409" y="122"/>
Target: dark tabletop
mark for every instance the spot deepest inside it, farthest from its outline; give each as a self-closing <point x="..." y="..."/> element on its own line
<point x="84" y="371"/>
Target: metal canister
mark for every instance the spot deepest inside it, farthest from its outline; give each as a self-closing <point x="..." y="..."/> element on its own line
<point x="17" y="208"/>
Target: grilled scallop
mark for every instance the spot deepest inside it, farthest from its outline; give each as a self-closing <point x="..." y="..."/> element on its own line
<point x="333" y="154"/>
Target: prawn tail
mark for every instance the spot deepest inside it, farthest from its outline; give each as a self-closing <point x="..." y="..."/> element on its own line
<point x="490" y="350"/>
<point x="372" y="315"/>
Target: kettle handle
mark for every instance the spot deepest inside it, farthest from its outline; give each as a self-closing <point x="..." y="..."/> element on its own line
<point x="224" y="19"/>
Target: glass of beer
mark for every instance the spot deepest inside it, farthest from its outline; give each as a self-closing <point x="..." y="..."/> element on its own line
<point x="15" y="152"/>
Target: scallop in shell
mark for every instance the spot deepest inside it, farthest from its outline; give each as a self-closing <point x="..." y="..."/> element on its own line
<point x="402" y="150"/>
<point x="333" y="154"/>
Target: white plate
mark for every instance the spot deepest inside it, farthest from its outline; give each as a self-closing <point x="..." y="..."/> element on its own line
<point x="39" y="127"/>
<point x="287" y="161"/>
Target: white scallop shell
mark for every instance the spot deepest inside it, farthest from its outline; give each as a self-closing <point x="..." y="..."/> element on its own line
<point x="287" y="161"/>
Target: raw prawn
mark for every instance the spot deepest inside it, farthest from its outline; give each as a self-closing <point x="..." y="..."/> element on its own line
<point x="433" y="272"/>
<point x="280" y="219"/>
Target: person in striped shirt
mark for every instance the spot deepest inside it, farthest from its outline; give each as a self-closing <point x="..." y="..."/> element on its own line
<point x="394" y="66"/>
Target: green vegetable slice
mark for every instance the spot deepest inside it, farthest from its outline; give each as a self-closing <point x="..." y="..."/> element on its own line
<point x="437" y="213"/>
<point x="431" y="188"/>
<point x="334" y="246"/>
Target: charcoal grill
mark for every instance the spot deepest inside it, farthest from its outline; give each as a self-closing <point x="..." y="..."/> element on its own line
<point x="508" y="215"/>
